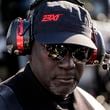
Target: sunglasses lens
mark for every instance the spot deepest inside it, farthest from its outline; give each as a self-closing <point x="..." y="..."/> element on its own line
<point x="58" y="52"/>
<point x="81" y="54"/>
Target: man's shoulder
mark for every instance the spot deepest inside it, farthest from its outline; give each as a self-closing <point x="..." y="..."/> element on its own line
<point x="88" y="98"/>
<point x="8" y="100"/>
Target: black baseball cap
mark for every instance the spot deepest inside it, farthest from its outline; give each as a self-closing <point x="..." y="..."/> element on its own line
<point x="57" y="22"/>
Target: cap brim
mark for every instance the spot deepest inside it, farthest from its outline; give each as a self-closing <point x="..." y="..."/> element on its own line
<point x="65" y="37"/>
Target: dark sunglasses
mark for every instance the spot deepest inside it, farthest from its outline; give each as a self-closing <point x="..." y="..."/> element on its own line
<point x="59" y="51"/>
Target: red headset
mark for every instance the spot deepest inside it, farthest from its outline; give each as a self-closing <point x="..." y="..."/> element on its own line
<point x="19" y="39"/>
<point x="97" y="56"/>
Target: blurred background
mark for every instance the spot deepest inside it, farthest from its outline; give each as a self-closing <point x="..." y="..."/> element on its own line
<point x="95" y="80"/>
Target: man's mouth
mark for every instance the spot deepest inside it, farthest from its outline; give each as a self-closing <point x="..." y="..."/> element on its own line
<point x="66" y="80"/>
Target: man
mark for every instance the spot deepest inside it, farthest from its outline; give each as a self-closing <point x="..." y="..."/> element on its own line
<point x="61" y="33"/>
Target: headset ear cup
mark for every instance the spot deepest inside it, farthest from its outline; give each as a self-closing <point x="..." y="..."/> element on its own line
<point x="11" y="36"/>
<point x="97" y="56"/>
<point x="17" y="41"/>
<point x="99" y="41"/>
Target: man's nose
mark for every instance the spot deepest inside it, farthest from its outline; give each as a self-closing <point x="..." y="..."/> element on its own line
<point x="67" y="63"/>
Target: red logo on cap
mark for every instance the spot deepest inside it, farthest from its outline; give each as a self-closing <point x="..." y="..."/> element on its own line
<point x="51" y="17"/>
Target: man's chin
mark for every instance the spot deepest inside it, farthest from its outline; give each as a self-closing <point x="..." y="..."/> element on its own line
<point x="63" y="90"/>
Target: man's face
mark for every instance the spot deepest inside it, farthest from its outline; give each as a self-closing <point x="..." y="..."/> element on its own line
<point x="59" y="77"/>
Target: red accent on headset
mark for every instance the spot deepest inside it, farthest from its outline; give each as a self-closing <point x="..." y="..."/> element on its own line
<point x="94" y="53"/>
<point x="19" y="38"/>
<point x="93" y="57"/>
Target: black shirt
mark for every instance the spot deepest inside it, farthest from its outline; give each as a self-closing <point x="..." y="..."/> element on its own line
<point x="33" y="96"/>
